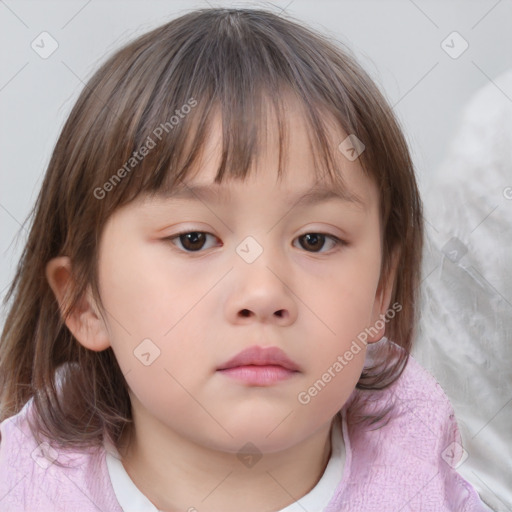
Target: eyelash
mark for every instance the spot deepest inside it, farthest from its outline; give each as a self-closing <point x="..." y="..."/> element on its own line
<point x="338" y="243"/>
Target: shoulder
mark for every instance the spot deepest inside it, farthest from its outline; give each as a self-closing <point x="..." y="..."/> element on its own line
<point x="44" y="476"/>
<point x="418" y="396"/>
<point x="418" y="406"/>
<point x="420" y="424"/>
<point x="409" y="461"/>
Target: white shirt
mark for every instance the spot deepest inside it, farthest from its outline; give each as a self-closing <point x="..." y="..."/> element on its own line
<point x="132" y="500"/>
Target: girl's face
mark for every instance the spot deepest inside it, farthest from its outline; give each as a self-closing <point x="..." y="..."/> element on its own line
<point x="177" y="308"/>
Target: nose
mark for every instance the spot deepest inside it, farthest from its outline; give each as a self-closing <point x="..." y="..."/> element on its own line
<point x="260" y="293"/>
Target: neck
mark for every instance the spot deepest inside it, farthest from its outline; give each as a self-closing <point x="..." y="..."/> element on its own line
<point x="178" y="474"/>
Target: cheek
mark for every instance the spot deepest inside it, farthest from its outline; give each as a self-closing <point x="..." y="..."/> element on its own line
<point x="341" y="307"/>
<point x="336" y="362"/>
<point x="332" y="384"/>
<point x="146" y="295"/>
<point x="153" y="311"/>
<point x="343" y="300"/>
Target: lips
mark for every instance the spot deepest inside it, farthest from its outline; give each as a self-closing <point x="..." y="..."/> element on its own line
<point x="259" y="356"/>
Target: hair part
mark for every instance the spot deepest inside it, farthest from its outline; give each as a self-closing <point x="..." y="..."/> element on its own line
<point x="239" y="64"/>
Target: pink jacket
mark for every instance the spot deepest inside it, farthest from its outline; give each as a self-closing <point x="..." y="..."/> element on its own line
<point x="406" y="465"/>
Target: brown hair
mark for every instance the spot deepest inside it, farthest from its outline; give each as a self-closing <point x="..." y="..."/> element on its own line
<point x="213" y="60"/>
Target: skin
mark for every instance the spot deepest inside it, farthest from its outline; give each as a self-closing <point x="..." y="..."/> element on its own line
<point x="202" y="308"/>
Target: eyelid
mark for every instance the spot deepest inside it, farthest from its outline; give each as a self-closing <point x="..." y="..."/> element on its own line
<point x="321" y="232"/>
<point x="185" y="232"/>
<point x="338" y="242"/>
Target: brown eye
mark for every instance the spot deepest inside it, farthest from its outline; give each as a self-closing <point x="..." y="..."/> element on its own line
<point x="312" y="242"/>
<point x="192" y="241"/>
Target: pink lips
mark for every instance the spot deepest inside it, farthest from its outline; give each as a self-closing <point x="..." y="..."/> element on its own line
<point x="260" y="366"/>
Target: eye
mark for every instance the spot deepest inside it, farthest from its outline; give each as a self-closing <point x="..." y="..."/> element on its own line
<point x="313" y="241"/>
<point x="195" y="241"/>
<point x="191" y="241"/>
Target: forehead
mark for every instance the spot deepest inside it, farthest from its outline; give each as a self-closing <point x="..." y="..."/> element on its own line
<point x="301" y="196"/>
<point x="304" y="177"/>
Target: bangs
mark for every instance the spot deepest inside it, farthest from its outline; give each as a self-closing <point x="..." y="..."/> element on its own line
<point x="245" y="135"/>
<point x="238" y="72"/>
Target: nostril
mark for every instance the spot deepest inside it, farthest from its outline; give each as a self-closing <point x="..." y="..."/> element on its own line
<point x="281" y="313"/>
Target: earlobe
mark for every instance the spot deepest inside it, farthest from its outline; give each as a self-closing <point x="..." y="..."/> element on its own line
<point x="84" y="319"/>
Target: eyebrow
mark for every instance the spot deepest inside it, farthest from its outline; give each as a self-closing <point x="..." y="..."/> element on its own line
<point x="216" y="193"/>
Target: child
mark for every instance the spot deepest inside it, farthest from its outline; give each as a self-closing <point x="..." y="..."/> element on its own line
<point x="175" y="339"/>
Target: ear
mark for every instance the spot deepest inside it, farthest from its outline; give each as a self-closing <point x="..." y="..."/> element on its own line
<point x="383" y="299"/>
<point x="84" y="320"/>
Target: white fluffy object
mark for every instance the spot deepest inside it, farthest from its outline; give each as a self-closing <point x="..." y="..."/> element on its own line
<point x="465" y="335"/>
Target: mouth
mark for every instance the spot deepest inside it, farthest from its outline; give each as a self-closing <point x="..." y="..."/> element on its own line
<point x="260" y="366"/>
